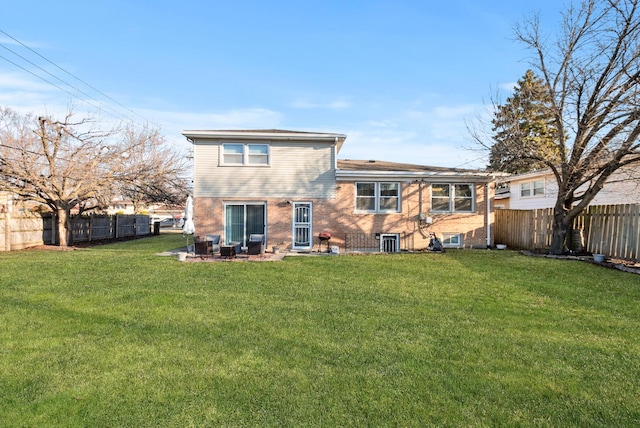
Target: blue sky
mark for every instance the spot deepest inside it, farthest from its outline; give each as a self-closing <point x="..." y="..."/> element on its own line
<point x="399" y="78"/>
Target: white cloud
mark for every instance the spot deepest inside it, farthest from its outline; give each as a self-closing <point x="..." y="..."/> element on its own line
<point x="338" y="104"/>
<point x="230" y="119"/>
<point x="435" y="136"/>
<point x="10" y="41"/>
<point x="172" y="123"/>
<point x="245" y="118"/>
<point x="508" y="86"/>
<point x="384" y="123"/>
<point x="407" y="147"/>
<point x="16" y="81"/>
<point x="439" y="113"/>
<point x="444" y="124"/>
<point x="454" y="112"/>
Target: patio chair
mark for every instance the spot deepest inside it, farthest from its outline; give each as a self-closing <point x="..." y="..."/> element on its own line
<point x="201" y="247"/>
<point x="256" y="243"/>
<point x="213" y="241"/>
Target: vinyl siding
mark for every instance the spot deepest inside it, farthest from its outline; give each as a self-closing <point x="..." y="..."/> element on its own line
<point x="296" y="170"/>
<point x="548" y="200"/>
<point x="623" y="187"/>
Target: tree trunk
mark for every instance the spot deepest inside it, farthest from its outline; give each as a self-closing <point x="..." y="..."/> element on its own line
<point x="65" y="235"/>
<point x="560" y="229"/>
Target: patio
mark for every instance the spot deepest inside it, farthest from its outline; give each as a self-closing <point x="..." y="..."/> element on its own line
<point x="267" y="256"/>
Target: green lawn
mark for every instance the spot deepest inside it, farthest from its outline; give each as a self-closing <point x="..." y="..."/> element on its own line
<point x="117" y="336"/>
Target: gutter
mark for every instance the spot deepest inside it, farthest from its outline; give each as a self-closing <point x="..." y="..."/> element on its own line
<point x="257" y="135"/>
<point x="345" y="175"/>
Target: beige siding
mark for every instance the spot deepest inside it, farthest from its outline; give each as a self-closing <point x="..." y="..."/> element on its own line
<point x="296" y="170"/>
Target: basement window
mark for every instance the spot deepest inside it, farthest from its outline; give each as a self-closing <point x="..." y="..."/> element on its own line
<point x="452" y="240"/>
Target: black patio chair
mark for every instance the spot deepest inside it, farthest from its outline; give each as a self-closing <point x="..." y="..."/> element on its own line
<point x="256" y="244"/>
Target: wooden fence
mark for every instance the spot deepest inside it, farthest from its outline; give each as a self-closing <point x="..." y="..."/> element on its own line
<point x="612" y="230"/>
<point x="19" y="230"/>
<point x="98" y="227"/>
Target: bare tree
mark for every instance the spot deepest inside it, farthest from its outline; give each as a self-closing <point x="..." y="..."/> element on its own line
<point x="66" y="164"/>
<point x="157" y="172"/>
<point x="591" y="71"/>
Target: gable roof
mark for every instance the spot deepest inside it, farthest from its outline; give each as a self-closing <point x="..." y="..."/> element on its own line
<point x="349" y="169"/>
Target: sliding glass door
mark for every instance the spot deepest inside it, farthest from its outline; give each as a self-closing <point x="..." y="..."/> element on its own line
<point x="241" y="220"/>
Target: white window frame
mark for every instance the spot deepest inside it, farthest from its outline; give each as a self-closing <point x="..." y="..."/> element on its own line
<point x="395" y="237"/>
<point x="532" y="189"/>
<point x="263" y="157"/>
<point x="377" y="197"/>
<point x="452" y="198"/>
<point x="452" y="240"/>
<point x="247" y="158"/>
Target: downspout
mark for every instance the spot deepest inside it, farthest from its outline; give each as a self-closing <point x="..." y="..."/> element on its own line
<point x="488" y="213"/>
<point x="334" y="152"/>
<point x="420" y="212"/>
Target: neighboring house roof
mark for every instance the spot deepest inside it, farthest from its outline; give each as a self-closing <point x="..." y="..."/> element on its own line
<point x="266" y="134"/>
<point x="526" y="175"/>
<point x="374" y="169"/>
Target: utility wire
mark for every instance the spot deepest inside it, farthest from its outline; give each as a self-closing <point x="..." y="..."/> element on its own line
<point x="471" y="161"/>
<point x="68" y="73"/>
<point x="97" y="104"/>
<point x="55" y="77"/>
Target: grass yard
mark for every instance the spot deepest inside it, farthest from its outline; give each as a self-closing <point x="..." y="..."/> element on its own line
<point x="117" y="336"/>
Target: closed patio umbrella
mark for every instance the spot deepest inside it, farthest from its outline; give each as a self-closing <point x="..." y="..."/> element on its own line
<point x="188" y="228"/>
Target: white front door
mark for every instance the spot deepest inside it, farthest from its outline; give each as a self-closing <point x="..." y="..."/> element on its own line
<point x="302" y="221"/>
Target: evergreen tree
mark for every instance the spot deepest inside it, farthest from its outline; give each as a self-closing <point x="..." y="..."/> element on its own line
<point x="524" y="131"/>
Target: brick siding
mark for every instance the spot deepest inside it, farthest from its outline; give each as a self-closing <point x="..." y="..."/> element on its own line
<point x="337" y="216"/>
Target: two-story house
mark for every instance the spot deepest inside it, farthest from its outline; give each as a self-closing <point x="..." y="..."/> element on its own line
<point x="291" y="186"/>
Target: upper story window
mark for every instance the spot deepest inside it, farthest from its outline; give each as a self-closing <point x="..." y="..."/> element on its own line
<point x="258" y="154"/>
<point x="532" y="188"/>
<point x="447" y="197"/>
<point x="378" y="197"/>
<point x="245" y="154"/>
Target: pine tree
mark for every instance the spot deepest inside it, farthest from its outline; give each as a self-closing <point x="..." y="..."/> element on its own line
<point x="524" y="131"/>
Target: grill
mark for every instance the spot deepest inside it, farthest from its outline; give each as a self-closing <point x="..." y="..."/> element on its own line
<point x="324" y="237"/>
